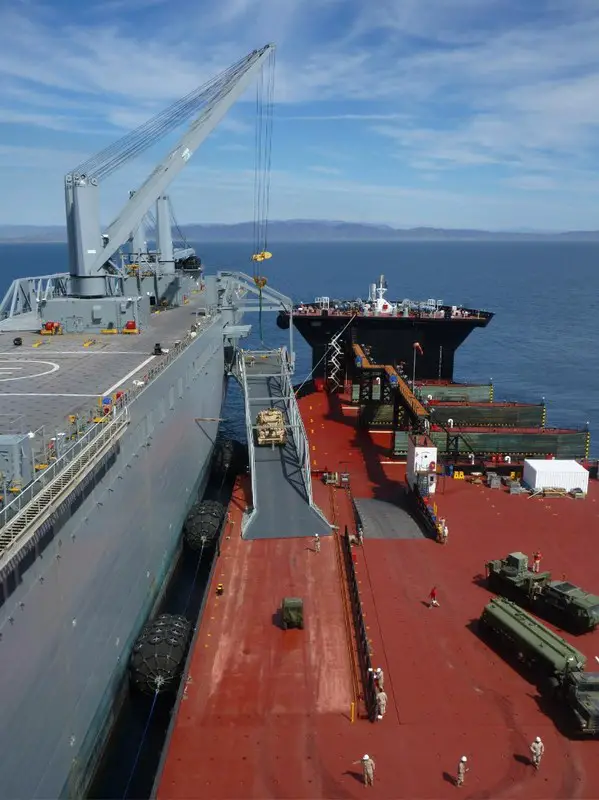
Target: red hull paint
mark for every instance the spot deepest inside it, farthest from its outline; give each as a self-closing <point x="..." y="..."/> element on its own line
<point x="265" y="713"/>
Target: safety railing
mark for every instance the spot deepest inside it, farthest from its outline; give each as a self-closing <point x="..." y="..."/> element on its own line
<point x="249" y="429"/>
<point x="87" y="433"/>
<point x="25" y="294"/>
<point x="362" y="642"/>
<point x="26" y="512"/>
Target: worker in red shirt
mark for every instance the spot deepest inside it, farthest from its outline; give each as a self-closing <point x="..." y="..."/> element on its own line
<point x="432" y="598"/>
<point x="536" y="561"/>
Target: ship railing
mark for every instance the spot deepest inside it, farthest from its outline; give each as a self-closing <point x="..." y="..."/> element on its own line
<point x="88" y="431"/>
<point x="249" y="429"/>
<point x="360" y="629"/>
<point x="38" y="500"/>
<point x="24" y="295"/>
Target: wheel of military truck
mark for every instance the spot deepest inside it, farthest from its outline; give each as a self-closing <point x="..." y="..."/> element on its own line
<point x="203" y="527"/>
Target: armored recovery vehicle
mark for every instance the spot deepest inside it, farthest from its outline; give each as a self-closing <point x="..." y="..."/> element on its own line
<point x="558" y="667"/>
<point x="270" y="427"/>
<point x="559" y="602"/>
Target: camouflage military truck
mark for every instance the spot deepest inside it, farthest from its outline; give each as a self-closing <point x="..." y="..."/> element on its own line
<point x="559" y="602"/>
<point x="557" y="666"/>
<point x="270" y="427"/>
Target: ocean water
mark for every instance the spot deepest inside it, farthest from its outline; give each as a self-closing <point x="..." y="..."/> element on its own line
<point x="543" y="341"/>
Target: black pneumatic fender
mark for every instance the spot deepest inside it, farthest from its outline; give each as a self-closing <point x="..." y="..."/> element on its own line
<point x="159" y="654"/>
<point x="283" y="320"/>
<point x="203" y="524"/>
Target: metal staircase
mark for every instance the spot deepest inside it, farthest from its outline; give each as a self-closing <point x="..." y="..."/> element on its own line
<point x="335" y="364"/>
<point x="39" y="500"/>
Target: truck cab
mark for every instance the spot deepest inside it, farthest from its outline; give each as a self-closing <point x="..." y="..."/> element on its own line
<point x="579" y="609"/>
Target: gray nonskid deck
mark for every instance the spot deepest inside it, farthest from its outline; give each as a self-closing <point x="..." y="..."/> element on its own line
<point x="283" y="509"/>
<point x="383" y="520"/>
<point x="43" y="385"/>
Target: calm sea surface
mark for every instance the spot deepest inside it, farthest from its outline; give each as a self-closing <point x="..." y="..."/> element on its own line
<point x="543" y="341"/>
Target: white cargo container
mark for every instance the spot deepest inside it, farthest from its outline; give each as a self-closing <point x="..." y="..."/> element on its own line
<point x="555" y="473"/>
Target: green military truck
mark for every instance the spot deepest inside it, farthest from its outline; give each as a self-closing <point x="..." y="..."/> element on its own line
<point x="558" y="667"/>
<point x="559" y="602"/>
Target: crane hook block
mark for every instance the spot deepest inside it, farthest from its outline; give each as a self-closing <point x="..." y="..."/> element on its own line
<point x="260" y="281"/>
<point x="263" y="256"/>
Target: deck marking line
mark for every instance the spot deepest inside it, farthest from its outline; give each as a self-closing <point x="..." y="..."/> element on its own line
<point x="42" y="394"/>
<point x="128" y="375"/>
<point x="16" y="361"/>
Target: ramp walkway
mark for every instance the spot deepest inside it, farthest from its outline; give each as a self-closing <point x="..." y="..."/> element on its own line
<point x="282" y="501"/>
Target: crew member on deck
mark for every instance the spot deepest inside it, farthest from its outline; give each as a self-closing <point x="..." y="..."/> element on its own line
<point x="317" y="543"/>
<point x="537" y="749"/>
<point x="432" y="598"/>
<point x="379" y="677"/>
<point x="368" y="767"/>
<point x="536" y="561"/>
<point x="381" y="704"/>
<point x="462" y="770"/>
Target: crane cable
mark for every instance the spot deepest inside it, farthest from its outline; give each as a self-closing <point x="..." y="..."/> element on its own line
<point x="262" y="172"/>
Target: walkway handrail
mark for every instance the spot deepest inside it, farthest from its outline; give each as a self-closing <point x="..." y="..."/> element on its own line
<point x="298" y="431"/>
<point x="362" y="641"/>
<point x="249" y="428"/>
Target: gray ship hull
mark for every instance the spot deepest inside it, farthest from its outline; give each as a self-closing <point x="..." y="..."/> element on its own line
<point x="96" y="574"/>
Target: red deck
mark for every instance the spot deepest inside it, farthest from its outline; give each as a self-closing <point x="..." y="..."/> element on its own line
<point x="265" y="713"/>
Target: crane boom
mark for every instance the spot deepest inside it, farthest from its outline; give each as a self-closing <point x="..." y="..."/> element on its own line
<point x="89" y="250"/>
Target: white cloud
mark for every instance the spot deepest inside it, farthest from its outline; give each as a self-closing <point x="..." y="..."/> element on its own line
<point x="503" y="90"/>
<point x="325" y="170"/>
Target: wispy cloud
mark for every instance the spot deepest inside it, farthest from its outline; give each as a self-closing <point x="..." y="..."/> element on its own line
<point x="325" y="170"/>
<point x="491" y="99"/>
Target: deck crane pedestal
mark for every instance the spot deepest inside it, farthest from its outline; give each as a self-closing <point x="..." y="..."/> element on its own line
<point x="104" y="294"/>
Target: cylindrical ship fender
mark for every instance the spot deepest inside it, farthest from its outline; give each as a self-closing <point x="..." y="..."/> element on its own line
<point x="203" y="524"/>
<point x="159" y="654"/>
<point x="283" y="320"/>
<point x="230" y="458"/>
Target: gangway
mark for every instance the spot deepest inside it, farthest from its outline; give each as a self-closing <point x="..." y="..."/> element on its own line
<point x="282" y="501"/>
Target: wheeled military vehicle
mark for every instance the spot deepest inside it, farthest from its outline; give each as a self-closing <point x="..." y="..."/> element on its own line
<point x="558" y="667"/>
<point x="270" y="427"/>
<point x="559" y="602"/>
<point x="292" y="613"/>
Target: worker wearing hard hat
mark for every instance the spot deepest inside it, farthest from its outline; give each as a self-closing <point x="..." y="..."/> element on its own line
<point x="537" y="749"/>
<point x="462" y="770"/>
<point x="368" y="767"/>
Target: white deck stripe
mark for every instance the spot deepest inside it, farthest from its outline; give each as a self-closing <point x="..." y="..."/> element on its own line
<point x="42" y="394"/>
<point x="127" y="376"/>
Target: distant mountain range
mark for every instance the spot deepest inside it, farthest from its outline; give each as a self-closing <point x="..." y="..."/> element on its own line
<point x="304" y="230"/>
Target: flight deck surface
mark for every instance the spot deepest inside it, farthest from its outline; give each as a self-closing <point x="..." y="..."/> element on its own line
<point x="49" y="377"/>
<point x="265" y="713"/>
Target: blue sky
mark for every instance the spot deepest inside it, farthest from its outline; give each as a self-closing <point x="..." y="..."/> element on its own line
<point x="450" y="113"/>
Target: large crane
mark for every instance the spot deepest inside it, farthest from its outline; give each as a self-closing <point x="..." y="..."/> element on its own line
<point x="90" y="250"/>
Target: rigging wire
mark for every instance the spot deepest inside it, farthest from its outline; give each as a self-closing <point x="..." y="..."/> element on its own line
<point x="326" y="352"/>
<point x="262" y="172"/>
<point x="137" y="141"/>
<point x="141" y="746"/>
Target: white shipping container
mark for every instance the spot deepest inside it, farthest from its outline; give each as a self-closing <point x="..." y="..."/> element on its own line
<point x="556" y="473"/>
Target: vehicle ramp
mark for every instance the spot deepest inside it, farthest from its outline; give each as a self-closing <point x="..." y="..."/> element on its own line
<point x="282" y="501"/>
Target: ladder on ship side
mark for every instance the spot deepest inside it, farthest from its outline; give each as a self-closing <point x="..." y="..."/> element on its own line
<point x="48" y="490"/>
<point x="335" y="364"/>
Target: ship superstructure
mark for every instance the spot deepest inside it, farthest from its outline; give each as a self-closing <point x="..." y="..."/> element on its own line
<point x="112" y="380"/>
